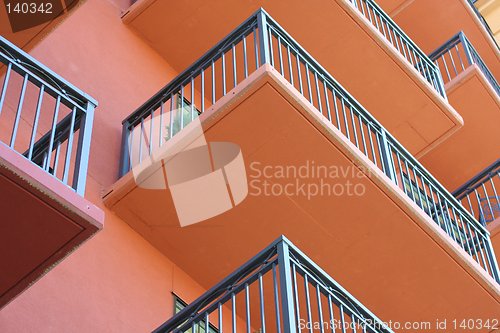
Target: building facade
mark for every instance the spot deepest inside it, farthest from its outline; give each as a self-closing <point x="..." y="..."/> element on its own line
<point x="250" y="166"/>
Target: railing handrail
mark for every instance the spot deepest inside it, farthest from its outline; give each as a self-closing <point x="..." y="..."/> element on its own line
<point x="191" y="311"/>
<point x="469" y="186"/>
<point x="268" y="28"/>
<point x="471" y="53"/>
<point x="402" y="33"/>
<point x="367" y="114"/>
<point x="483" y="21"/>
<point x="50" y="78"/>
<point x="196" y="66"/>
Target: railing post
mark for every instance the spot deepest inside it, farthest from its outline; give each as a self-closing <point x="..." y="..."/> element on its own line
<point x="386" y="156"/>
<point x="289" y="320"/>
<point x="125" y="153"/>
<point x="467" y="50"/>
<point x="83" y="150"/>
<point x="493" y="260"/>
<point x="265" y="57"/>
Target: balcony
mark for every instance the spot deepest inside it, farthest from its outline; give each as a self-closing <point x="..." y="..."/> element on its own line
<point x="353" y="39"/>
<point x="45" y="133"/>
<point x="22" y="33"/>
<point x="474" y="92"/>
<point x="249" y="299"/>
<point x="259" y="89"/>
<point x="442" y="20"/>
<point x="480" y="196"/>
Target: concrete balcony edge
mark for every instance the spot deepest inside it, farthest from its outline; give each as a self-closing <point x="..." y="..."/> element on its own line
<point x="267" y="74"/>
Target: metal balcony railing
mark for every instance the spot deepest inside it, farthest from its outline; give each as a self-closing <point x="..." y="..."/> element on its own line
<point x="483" y="20"/>
<point x="456" y="55"/>
<point x="44" y="118"/>
<point x="258" y="41"/>
<point x="400" y="41"/>
<point x="480" y="196"/>
<point x="278" y="290"/>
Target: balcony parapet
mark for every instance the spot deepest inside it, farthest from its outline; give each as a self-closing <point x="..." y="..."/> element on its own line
<point x="261" y="41"/>
<point x="279" y="282"/>
<point x="59" y="127"/>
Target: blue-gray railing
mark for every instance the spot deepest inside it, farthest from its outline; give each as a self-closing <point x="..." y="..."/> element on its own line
<point x="44" y="117"/>
<point x="400" y="41"/>
<point x="483" y="20"/>
<point x="207" y="80"/>
<point x="278" y="290"/>
<point x="480" y="196"/>
<point x="458" y="54"/>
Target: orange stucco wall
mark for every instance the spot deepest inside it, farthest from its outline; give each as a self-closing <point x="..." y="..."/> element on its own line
<point x="116" y="281"/>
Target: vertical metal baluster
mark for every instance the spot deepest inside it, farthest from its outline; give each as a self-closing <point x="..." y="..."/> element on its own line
<point x="487" y="198"/>
<point x="342" y="319"/>
<point x="35" y="121"/>
<point x="282" y="71"/>
<point x="207" y="323"/>
<point x="276" y="300"/>
<point x="202" y="90"/>
<point x="380" y="153"/>
<point x="452" y="62"/>
<point x="235" y="78"/>
<point x="470" y="204"/>
<point x="271" y="47"/>
<point x="69" y="147"/>
<point x="330" y="310"/>
<point x="223" y="74"/>
<point x="309" y="83"/>
<point x="325" y="91"/>
<point x="247" y="308"/>
<point x="213" y="82"/>
<point x="18" y="113"/>
<point x="221" y="324"/>
<point x="371" y="143"/>
<point x="172" y="109"/>
<point x="233" y="312"/>
<point x="345" y="118"/>
<point x="320" y="310"/>
<point x="245" y="60"/>
<point x="495" y="193"/>
<point x="5" y="85"/>
<point x="53" y="131"/>
<point x="160" y="136"/>
<point x="317" y="92"/>
<point x="353" y="123"/>
<point x="192" y="98"/>
<point x="256" y="48"/>
<point x="182" y="108"/>
<point x="446" y="68"/>
<point x="262" y="310"/>
<point x="141" y="137"/>
<point x="299" y="74"/>
<point x="308" y="303"/>
<point x="337" y="118"/>
<point x="479" y="207"/>
<point x="289" y="63"/>
<point x="362" y="135"/>
<point x="151" y="129"/>
<point x="459" y="57"/>
<point x="56" y="158"/>
<point x="296" y="297"/>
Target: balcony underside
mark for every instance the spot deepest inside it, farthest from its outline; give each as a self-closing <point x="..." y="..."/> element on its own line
<point x="379" y="245"/>
<point x="28" y="38"/>
<point x="430" y="23"/>
<point x="42" y="221"/>
<point x="335" y="34"/>
<point x="477" y="142"/>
